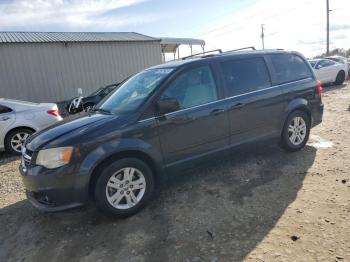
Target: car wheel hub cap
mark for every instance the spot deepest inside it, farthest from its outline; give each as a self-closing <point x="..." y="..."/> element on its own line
<point x="297" y="130"/>
<point x="18" y="140"/>
<point x="125" y="188"/>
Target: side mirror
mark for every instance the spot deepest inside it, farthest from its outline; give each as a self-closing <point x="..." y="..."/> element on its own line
<point x="319" y="67"/>
<point x="167" y="105"/>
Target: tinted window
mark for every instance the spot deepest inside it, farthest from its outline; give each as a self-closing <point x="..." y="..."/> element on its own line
<point x="243" y="76"/>
<point x="4" y="109"/>
<point x="325" y="63"/>
<point x="193" y="87"/>
<point x="289" y="67"/>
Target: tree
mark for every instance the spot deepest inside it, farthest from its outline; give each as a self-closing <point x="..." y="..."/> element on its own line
<point x="337" y="51"/>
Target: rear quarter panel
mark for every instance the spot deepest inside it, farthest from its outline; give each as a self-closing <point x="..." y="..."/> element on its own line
<point x="298" y="94"/>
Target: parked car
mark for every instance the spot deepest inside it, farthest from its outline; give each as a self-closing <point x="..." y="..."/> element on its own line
<point x="86" y="103"/>
<point x="167" y="118"/>
<point x="340" y="59"/>
<point x="329" y="71"/>
<point x="337" y="58"/>
<point x="19" y="119"/>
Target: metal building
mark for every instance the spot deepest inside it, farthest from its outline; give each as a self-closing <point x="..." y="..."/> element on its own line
<point x="49" y="67"/>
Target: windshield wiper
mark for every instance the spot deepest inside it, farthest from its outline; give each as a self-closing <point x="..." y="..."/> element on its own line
<point x="101" y="110"/>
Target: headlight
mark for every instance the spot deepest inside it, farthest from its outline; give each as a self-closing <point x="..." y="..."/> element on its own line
<point x="54" y="157"/>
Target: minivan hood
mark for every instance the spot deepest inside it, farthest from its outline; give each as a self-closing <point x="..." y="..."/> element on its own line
<point x="79" y="124"/>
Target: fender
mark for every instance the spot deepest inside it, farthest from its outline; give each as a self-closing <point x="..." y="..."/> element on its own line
<point x="108" y="149"/>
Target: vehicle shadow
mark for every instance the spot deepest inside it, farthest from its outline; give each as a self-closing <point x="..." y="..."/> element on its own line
<point x="6" y="158"/>
<point x="327" y="88"/>
<point x="219" y="210"/>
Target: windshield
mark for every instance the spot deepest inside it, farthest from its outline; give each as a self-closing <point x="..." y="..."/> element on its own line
<point x="130" y="95"/>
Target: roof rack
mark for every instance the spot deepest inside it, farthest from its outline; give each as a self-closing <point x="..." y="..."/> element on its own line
<point x="239" y="49"/>
<point x="211" y="51"/>
<point x="217" y="50"/>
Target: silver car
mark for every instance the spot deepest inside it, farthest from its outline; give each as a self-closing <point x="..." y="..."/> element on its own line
<point x="329" y="71"/>
<point x="19" y="119"/>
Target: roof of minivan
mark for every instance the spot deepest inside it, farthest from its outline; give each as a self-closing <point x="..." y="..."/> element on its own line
<point x="213" y="56"/>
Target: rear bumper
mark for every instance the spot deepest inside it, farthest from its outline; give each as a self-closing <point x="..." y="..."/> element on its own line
<point x="316" y="115"/>
<point x="53" y="190"/>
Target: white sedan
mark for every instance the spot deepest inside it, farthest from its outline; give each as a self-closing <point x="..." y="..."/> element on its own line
<point x="19" y="119"/>
<point x="329" y="71"/>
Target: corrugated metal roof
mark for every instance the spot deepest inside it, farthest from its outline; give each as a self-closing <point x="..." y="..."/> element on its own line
<point x="46" y="37"/>
<point x="181" y="41"/>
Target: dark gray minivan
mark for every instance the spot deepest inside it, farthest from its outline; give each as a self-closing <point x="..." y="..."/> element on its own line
<point x="166" y="118"/>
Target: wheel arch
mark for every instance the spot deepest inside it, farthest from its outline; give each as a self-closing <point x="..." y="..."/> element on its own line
<point x="341" y="71"/>
<point x="117" y="156"/>
<point x="13" y="129"/>
<point x="297" y="104"/>
<point x="19" y="127"/>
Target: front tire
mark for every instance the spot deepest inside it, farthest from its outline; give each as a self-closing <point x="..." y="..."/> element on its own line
<point x="296" y="131"/>
<point x="124" y="187"/>
<point x="15" y="139"/>
<point x="340" y="78"/>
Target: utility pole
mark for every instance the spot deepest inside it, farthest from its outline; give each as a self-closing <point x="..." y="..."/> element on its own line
<point x="262" y="35"/>
<point x="327" y="1"/>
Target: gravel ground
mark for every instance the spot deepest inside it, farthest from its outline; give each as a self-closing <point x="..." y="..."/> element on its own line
<point x="262" y="205"/>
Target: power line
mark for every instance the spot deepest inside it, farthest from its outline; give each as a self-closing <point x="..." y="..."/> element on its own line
<point x="227" y="25"/>
<point x="221" y="16"/>
<point x="244" y="26"/>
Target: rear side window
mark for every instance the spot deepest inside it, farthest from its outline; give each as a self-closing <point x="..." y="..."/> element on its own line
<point x="246" y="75"/>
<point x="325" y="63"/>
<point x="289" y="68"/>
<point x="4" y="109"/>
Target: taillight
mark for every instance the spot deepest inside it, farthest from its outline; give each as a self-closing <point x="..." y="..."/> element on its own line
<point x="53" y="112"/>
<point x="319" y="88"/>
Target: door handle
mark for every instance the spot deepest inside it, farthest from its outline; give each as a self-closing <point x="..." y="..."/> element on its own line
<point x="237" y="106"/>
<point x="4" y="118"/>
<point x="216" y="112"/>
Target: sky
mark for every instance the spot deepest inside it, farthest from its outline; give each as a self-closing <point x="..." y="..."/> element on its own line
<point x="226" y="24"/>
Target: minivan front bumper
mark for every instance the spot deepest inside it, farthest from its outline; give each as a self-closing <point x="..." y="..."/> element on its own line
<point x="53" y="190"/>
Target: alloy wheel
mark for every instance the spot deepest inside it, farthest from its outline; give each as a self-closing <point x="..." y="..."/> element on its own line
<point x="125" y="188"/>
<point x="18" y="140"/>
<point x="297" y="130"/>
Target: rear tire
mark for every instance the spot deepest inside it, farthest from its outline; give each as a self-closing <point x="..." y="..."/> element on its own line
<point x="15" y="139"/>
<point x="340" y="78"/>
<point x="124" y="187"/>
<point x="296" y="131"/>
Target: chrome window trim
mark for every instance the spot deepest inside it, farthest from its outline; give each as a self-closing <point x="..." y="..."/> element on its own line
<point x="146" y="119"/>
<point x="227" y="98"/>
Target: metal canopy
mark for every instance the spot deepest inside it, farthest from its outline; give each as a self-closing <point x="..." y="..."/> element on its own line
<point x="171" y="45"/>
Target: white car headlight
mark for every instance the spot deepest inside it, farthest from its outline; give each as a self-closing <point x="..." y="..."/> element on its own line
<point x="54" y="157"/>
